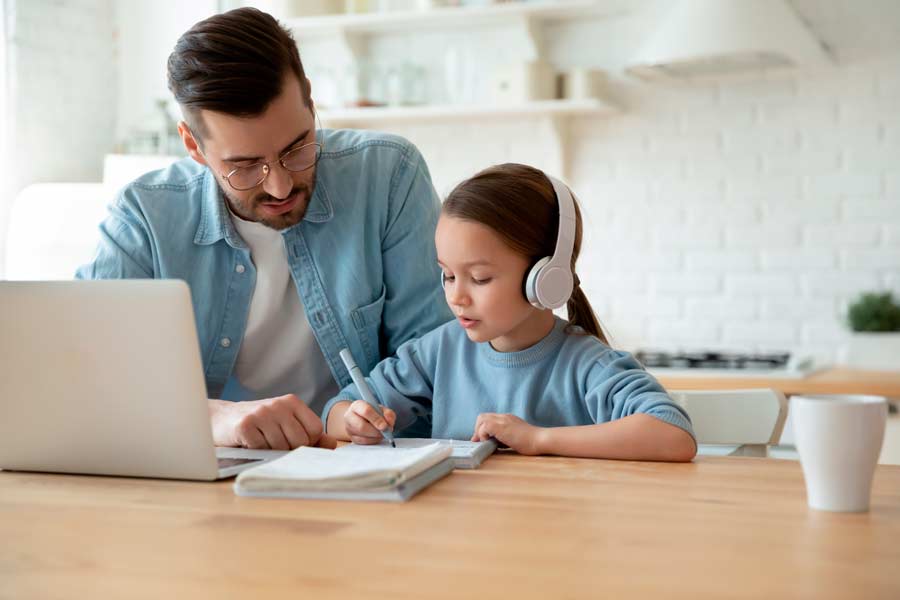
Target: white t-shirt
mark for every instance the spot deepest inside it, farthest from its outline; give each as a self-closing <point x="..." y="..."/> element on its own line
<point x="279" y="353"/>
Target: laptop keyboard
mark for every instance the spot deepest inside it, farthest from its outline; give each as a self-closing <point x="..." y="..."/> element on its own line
<point x="233" y="462"/>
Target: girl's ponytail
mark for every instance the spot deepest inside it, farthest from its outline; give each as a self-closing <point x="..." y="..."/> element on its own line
<point x="581" y="313"/>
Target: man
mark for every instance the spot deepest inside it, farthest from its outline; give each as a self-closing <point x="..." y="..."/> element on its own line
<point x="295" y="242"/>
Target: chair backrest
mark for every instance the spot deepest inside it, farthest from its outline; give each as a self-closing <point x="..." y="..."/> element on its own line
<point x="53" y="229"/>
<point x="735" y="417"/>
<point x="53" y="226"/>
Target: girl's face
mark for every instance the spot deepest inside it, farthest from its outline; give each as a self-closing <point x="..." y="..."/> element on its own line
<point x="483" y="286"/>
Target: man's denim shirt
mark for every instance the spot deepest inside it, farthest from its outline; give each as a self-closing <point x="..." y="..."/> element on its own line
<point x="362" y="258"/>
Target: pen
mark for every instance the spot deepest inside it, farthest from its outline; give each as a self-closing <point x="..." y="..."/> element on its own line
<point x="364" y="390"/>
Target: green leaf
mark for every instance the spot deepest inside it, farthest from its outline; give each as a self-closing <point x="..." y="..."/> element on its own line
<point x="874" y="312"/>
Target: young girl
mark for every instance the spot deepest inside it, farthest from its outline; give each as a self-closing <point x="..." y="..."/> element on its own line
<point x="508" y="368"/>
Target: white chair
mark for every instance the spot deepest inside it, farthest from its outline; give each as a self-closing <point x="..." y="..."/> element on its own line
<point x="53" y="229"/>
<point x="53" y="226"/>
<point x="735" y="422"/>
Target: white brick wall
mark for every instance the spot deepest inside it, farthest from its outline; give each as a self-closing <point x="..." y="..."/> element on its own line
<point x="892" y="235"/>
<point x="61" y="82"/>
<point x="64" y="108"/>
<point x="843" y="235"/>
<point x="740" y="214"/>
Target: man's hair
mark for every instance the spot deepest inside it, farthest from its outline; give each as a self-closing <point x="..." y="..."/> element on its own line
<point x="234" y="63"/>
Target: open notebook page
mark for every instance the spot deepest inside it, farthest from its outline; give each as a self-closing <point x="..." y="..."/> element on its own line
<point x="461" y="449"/>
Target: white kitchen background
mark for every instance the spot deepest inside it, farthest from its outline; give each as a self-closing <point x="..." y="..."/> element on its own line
<point x="739" y="212"/>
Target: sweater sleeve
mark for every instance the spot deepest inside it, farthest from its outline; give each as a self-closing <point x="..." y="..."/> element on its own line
<point x="617" y="386"/>
<point x="404" y="383"/>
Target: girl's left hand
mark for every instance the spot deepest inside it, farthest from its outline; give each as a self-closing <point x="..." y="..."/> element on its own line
<point x="509" y="430"/>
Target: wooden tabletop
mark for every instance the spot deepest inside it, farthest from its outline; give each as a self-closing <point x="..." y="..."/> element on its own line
<point x="836" y="380"/>
<point x="516" y="528"/>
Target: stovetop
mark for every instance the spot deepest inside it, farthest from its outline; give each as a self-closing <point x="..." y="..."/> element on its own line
<point x="715" y="363"/>
<point x="713" y="360"/>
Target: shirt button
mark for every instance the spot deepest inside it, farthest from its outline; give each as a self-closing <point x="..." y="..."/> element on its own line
<point x="225" y="342"/>
<point x="239" y="268"/>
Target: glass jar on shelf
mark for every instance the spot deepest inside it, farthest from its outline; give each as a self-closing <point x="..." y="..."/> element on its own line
<point x="413" y="84"/>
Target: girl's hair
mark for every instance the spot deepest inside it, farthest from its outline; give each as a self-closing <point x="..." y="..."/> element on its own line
<point x="518" y="202"/>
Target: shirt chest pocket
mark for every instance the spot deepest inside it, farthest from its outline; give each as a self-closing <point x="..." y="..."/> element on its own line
<point x="367" y="321"/>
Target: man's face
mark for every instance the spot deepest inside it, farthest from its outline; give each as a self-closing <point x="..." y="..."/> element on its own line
<point x="231" y="142"/>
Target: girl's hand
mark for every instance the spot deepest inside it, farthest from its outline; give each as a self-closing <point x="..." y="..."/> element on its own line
<point x="363" y="424"/>
<point x="509" y="430"/>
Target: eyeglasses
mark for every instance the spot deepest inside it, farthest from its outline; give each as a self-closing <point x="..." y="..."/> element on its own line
<point x="295" y="160"/>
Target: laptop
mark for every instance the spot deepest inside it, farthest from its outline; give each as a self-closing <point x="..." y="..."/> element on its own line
<point x="105" y="377"/>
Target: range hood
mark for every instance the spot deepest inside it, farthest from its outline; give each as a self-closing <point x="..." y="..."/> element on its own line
<point x="703" y="38"/>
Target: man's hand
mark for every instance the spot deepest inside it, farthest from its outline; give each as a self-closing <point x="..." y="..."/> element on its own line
<point x="281" y="423"/>
<point x="364" y="426"/>
<point x="509" y="430"/>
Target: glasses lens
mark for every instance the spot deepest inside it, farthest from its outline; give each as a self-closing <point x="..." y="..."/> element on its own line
<point x="247" y="178"/>
<point x="302" y="158"/>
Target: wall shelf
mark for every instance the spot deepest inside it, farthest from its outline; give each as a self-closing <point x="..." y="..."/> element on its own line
<point x="418" y="114"/>
<point x="556" y="112"/>
<point x="453" y="17"/>
<point x="349" y="39"/>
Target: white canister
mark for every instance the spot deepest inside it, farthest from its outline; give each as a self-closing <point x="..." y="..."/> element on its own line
<point x="583" y="84"/>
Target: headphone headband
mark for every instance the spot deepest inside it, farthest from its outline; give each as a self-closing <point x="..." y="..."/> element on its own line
<point x="565" y="237"/>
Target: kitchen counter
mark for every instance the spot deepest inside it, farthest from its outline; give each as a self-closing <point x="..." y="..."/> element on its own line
<point x="833" y="380"/>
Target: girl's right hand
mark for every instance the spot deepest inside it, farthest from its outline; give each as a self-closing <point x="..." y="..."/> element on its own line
<point x="363" y="424"/>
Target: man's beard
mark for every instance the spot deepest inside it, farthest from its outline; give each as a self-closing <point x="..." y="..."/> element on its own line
<point x="247" y="209"/>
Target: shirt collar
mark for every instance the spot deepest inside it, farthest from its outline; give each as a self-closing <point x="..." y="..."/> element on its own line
<point x="216" y="224"/>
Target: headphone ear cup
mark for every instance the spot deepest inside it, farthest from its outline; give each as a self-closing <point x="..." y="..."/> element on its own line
<point x="554" y="286"/>
<point x="532" y="283"/>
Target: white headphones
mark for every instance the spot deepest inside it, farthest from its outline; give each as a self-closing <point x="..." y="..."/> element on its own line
<point x="549" y="283"/>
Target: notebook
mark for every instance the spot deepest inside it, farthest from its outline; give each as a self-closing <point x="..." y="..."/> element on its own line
<point x="364" y="473"/>
<point x="465" y="454"/>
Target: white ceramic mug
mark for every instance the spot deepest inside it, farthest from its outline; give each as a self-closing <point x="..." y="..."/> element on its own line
<point x="839" y="440"/>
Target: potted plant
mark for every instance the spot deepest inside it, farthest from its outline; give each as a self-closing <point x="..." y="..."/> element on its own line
<point x="874" y="319"/>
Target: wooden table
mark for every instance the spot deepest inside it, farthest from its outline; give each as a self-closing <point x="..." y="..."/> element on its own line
<point x="836" y="380"/>
<point x="516" y="528"/>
